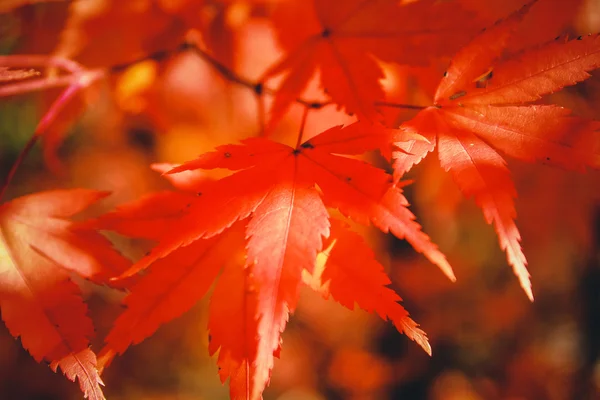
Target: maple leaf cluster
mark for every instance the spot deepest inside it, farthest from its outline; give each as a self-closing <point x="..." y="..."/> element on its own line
<point x="283" y="216"/>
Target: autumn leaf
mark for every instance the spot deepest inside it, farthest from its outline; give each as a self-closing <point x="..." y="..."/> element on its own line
<point x="360" y="279"/>
<point x="275" y="186"/>
<point x="361" y="191"/>
<point x="345" y="40"/>
<point x="547" y="19"/>
<point x="170" y="288"/>
<point x="476" y="110"/>
<point x="149" y="217"/>
<point x="233" y="326"/>
<point x="174" y="284"/>
<point x="39" y="248"/>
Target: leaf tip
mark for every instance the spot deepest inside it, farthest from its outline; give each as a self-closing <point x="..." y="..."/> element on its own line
<point x="104" y="359"/>
<point x="451" y="276"/>
<point x="529" y="293"/>
<point x="427" y="347"/>
<point x="419" y="336"/>
<point x="162" y="168"/>
<point x="447" y="269"/>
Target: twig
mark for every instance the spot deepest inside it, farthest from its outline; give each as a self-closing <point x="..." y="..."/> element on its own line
<point x="37" y="84"/>
<point x="30" y="61"/>
<point x="160" y="55"/>
<point x="80" y="78"/>
<point x="261" y="117"/>
<point x="257" y="87"/>
<point x="84" y="80"/>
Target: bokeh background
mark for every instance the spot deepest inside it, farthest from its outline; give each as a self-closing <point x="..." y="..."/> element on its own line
<point x="489" y="341"/>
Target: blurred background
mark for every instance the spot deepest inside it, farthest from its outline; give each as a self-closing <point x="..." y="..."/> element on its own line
<point x="489" y="341"/>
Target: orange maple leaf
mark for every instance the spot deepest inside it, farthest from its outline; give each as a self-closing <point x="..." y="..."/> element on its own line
<point x="476" y="110"/>
<point x="344" y="40"/>
<point x="275" y="188"/>
<point x="39" y="248"/>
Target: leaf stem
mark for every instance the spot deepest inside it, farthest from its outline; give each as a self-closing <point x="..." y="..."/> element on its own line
<point x="398" y="105"/>
<point x="302" y="125"/>
<point x="261" y="117"/>
<point x="13" y="170"/>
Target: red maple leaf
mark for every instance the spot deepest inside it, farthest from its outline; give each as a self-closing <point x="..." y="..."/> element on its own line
<point x="360" y="279"/>
<point x="476" y="111"/>
<point x="39" y="248"/>
<point x="174" y="284"/>
<point x="345" y="40"/>
<point x="283" y="192"/>
<point x="546" y="19"/>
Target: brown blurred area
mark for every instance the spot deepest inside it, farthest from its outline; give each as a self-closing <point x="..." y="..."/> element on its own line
<point x="489" y="342"/>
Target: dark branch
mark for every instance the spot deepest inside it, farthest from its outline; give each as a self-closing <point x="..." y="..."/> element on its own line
<point x="257" y="87"/>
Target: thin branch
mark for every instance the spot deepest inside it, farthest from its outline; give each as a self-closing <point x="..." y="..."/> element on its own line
<point x="46" y="83"/>
<point x="31" y="61"/>
<point x="257" y="87"/>
<point x="84" y="80"/>
<point x="225" y="72"/>
<point x="80" y="78"/>
<point x="13" y="170"/>
<point x="160" y="55"/>
<point x="36" y="85"/>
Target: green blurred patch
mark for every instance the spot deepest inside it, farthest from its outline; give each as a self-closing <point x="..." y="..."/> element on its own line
<point x="18" y="119"/>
